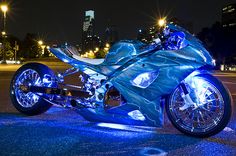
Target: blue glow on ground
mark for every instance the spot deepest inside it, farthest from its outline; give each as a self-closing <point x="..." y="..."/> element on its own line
<point x="60" y="131"/>
<point x="127" y="127"/>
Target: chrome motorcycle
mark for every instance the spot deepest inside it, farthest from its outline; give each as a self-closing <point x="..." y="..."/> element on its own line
<point x="133" y="84"/>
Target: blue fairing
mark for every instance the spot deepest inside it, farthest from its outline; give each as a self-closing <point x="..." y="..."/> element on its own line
<point x="142" y="74"/>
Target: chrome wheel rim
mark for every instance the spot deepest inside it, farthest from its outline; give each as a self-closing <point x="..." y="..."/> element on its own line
<point x="27" y="78"/>
<point x="207" y="112"/>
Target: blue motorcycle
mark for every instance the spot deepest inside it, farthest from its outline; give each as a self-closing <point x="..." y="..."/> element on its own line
<point x="133" y="85"/>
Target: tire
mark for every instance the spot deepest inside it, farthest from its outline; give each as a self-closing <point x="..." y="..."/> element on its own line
<point x="218" y="101"/>
<point x="30" y="103"/>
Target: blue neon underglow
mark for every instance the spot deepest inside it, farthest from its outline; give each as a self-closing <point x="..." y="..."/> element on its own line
<point x="127" y="127"/>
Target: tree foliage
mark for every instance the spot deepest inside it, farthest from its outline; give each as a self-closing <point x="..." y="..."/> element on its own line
<point x="7" y="48"/>
<point x="220" y="42"/>
<point x="29" y="47"/>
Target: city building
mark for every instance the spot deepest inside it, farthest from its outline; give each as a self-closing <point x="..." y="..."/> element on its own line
<point x="229" y="16"/>
<point x="88" y="29"/>
<point x="88" y="24"/>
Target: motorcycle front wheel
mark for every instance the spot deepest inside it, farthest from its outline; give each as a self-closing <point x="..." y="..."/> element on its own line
<point x="207" y="113"/>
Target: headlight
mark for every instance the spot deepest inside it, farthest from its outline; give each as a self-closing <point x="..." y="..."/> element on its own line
<point x="145" y="79"/>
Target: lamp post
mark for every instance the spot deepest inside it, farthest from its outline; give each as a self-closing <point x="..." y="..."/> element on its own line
<point x="4" y="9"/>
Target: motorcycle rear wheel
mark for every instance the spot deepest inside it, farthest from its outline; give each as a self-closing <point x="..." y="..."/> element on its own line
<point x="30" y="103"/>
<point x="211" y="111"/>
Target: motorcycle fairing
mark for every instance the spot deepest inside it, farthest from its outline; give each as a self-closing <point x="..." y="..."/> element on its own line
<point x="171" y="66"/>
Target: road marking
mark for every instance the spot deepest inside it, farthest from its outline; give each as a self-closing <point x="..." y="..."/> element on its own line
<point x="225" y="75"/>
<point x="229" y="82"/>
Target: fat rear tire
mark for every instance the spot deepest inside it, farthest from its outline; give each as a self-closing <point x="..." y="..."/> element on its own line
<point x="41" y="105"/>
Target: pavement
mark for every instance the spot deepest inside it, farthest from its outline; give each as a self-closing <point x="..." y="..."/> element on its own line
<point x="62" y="131"/>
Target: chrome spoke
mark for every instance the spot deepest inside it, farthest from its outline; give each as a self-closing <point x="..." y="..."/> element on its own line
<point x="27" y="77"/>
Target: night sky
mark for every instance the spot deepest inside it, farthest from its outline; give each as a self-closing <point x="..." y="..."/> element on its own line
<point x="61" y="20"/>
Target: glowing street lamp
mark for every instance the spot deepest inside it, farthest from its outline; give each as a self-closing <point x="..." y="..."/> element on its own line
<point x="162" y="22"/>
<point x="3" y="33"/>
<point x="107" y="45"/>
<point x="4" y="9"/>
<point x="40" y="42"/>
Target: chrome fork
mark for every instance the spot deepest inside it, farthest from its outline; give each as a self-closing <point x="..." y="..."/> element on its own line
<point x="188" y="102"/>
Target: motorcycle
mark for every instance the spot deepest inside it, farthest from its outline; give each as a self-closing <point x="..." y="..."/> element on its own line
<point x="133" y="85"/>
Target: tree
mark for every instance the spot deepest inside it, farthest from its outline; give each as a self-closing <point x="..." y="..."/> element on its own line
<point x="101" y="54"/>
<point x="46" y="52"/>
<point x="30" y="47"/>
<point x="220" y="43"/>
<point x="7" y="48"/>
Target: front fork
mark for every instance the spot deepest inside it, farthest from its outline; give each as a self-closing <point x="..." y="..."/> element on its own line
<point x="188" y="102"/>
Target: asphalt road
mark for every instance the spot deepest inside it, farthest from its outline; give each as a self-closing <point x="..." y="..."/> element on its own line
<point x="63" y="132"/>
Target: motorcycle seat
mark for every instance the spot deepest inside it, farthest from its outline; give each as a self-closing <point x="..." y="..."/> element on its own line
<point x="88" y="60"/>
<point x="73" y="53"/>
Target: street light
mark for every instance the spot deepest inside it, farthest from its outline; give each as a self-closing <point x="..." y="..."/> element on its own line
<point x="162" y="22"/>
<point x="107" y="45"/>
<point x="4" y="9"/>
<point x="40" y="42"/>
<point x="3" y="33"/>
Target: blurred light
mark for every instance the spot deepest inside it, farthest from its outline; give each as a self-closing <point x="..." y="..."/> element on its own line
<point x="107" y="45"/>
<point x="12" y="62"/>
<point x="96" y="49"/>
<point x="65" y="60"/>
<point x="40" y="42"/>
<point x="222" y="67"/>
<point x="214" y="62"/>
<point x="106" y="49"/>
<point x="162" y="22"/>
<point x="4" y="8"/>
<point x="48" y="47"/>
<point x="3" y="33"/>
